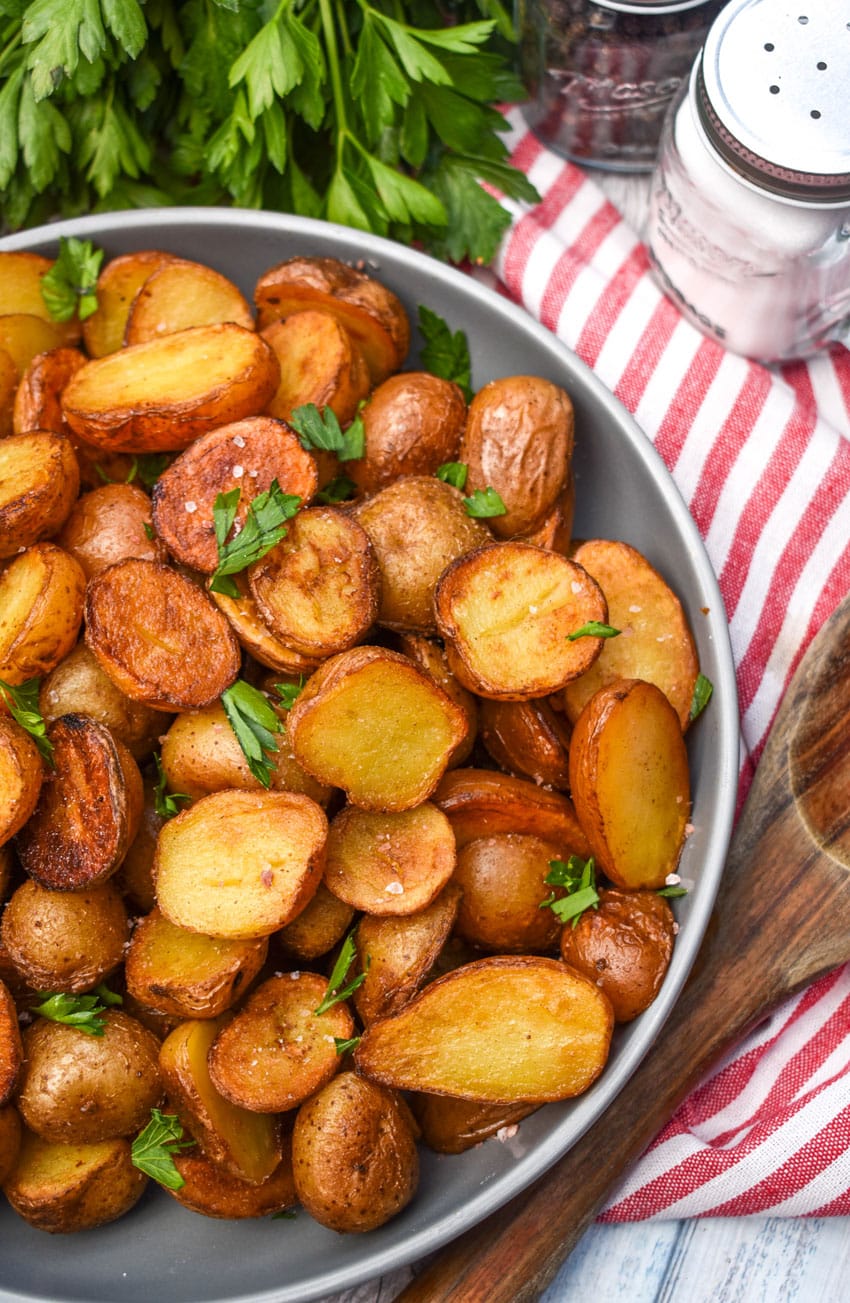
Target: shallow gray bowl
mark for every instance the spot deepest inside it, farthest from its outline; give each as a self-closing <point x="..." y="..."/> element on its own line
<point x="162" y="1252"/>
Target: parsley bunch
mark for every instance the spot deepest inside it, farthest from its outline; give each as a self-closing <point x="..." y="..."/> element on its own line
<point x="373" y="113"/>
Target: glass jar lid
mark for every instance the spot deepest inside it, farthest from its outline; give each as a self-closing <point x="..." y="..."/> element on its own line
<point x="771" y="93"/>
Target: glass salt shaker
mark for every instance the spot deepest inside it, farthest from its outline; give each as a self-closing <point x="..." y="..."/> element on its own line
<point x="749" y="222"/>
<point x="601" y="73"/>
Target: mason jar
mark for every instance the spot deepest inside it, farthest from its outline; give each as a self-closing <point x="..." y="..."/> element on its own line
<point x="601" y="73"/>
<point x="749" y="221"/>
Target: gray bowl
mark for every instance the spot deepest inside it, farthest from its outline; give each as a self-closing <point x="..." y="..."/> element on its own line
<point x="160" y="1251"/>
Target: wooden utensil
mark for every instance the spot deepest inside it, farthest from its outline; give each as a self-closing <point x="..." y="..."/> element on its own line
<point x="781" y="919"/>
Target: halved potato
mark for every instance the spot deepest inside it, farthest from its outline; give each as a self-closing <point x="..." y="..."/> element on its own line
<point x="38" y="399"/>
<point x="39" y="481"/>
<point x="79" y="686"/>
<point x="65" y="940"/>
<point x="11" y="1045"/>
<point x="255" y="635"/>
<point x="134" y="878"/>
<point x="179" y="294"/>
<point x="240" y="864"/>
<point x="23" y="336"/>
<point x="117" y="286"/>
<point x="8" y="386"/>
<point x="451" y="1126"/>
<point x="318" y="928"/>
<point x="528" y="738"/>
<point x="481" y="802"/>
<point x="41" y="609"/>
<point x="412" y="424"/>
<point x="73" y="1187"/>
<point x="110" y="523"/>
<point x="159" y="396"/>
<point x="21" y="775"/>
<point x="319" y="363"/>
<point x="396" y="954"/>
<point x="501" y="1030"/>
<point x="213" y="1192"/>
<point x="21" y="275"/>
<point x="430" y="657"/>
<point x="389" y="863"/>
<point x="629" y="779"/>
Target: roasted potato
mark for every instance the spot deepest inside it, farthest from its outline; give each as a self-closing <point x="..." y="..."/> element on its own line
<point x="256" y="637"/>
<point x="119" y="282"/>
<point x="318" y="928"/>
<point x="389" y="863"/>
<point x="412" y="424"/>
<point x="528" y="738"/>
<point x="65" y="940"/>
<point x="62" y="1187"/>
<point x="21" y="774"/>
<point x="38" y="399"/>
<point x="213" y="1192"/>
<point x="10" y="1140"/>
<point x="11" y="1047"/>
<point x="134" y="877"/>
<point x="430" y="657"/>
<point x="20" y="291"/>
<point x="395" y="955"/>
<point x="39" y="480"/>
<point x="41" y="609"/>
<point x="319" y="363"/>
<point x="451" y="1126"/>
<point x="179" y="294"/>
<point x="8" y="384"/>
<point x="108" y="524"/>
<point x="79" y="686"/>
<point x="625" y="946"/>
<point x="503" y="881"/>
<point x="481" y="802"/>
<point x="23" y="336"/>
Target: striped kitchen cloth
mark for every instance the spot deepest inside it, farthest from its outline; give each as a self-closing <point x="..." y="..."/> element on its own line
<point x="762" y="457"/>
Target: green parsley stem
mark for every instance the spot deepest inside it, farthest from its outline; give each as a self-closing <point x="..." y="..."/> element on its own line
<point x="329" y="29"/>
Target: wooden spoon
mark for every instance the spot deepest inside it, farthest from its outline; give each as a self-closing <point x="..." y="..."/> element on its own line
<point x="782" y="918"/>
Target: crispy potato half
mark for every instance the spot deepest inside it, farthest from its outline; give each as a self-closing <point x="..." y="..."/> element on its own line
<point x="240" y="864"/>
<point x="528" y="738"/>
<point x="180" y="294"/>
<point x="108" y="524"/>
<point x="158" y="637"/>
<point x="11" y="1045"/>
<point x="38" y="399"/>
<point x="39" y="481"/>
<point x="213" y="1192"/>
<point x="159" y="396"/>
<point x="318" y="928"/>
<point x="73" y="1187"/>
<point x="625" y="945"/>
<point x="552" y="1027"/>
<point x="8" y="386"/>
<point x="64" y="940"/>
<point x="41" y="609"/>
<point x="507" y="612"/>
<point x="481" y="802"/>
<point x="451" y="1126"/>
<point x="21" y="775"/>
<point x="352" y="727"/>
<point x="389" y="863"/>
<point x="370" y="312"/>
<point x="118" y="284"/>
<point x="412" y="423"/>
<point x="319" y="363"/>
<point x="23" y="336"/>
<point x="254" y="634"/>
<point x="396" y="954"/>
<point x="629" y="780"/>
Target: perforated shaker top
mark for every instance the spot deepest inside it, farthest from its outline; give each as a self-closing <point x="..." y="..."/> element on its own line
<point x="773" y="94"/>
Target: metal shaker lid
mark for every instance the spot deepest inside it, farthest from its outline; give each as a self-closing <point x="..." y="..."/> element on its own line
<point x="772" y="95"/>
<point x="654" y="6"/>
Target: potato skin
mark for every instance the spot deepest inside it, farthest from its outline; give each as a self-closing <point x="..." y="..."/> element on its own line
<point x="63" y="1188"/>
<point x="10" y="1140"/>
<point x="79" y="686"/>
<point x="39" y="480"/>
<point x="502" y="879"/>
<point x="64" y="940"/>
<point x="412" y="424"/>
<point x="354" y="1155"/>
<point x="625" y="946"/>
<point x="21" y="775"/>
<point x="214" y="1192"/>
<point x="106" y="525"/>
<point x="41" y="609"/>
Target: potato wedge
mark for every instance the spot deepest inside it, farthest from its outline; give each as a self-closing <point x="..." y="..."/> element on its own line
<point x="65" y="940"/>
<point x="38" y="398"/>
<point x="39" y="481"/>
<point x="247" y="1145"/>
<point x="117" y="286"/>
<point x="20" y="291"/>
<point x="88" y="810"/>
<point x="21" y="775"/>
<point x="41" y="609"/>
<point x="396" y="954"/>
<point x="528" y="738"/>
<point x="79" y="686"/>
<point x="73" y="1187"/>
<point x="351" y="728"/>
<point x="503" y="881"/>
<point x="158" y="637"/>
<point x="318" y="928"/>
<point x="213" y="1192"/>
<point x="629" y="779"/>
<point x="481" y="802"/>
<point x="108" y="524"/>
<point x="240" y="864"/>
<point x="369" y="311"/>
<point x="389" y="863"/>
<point x="412" y="423"/>
<point x="319" y="363"/>
<point x="246" y="455"/>
<point x="179" y="294"/>
<point x="625" y="945"/>
<point x="10" y="1140"/>
<point x="159" y="396"/>
<point x="451" y="1126"/>
<point x="507" y="613"/>
<point x="552" y="1027"/>
<point x="11" y="1045"/>
<point x="354" y="1154"/>
<point x="655" y="640"/>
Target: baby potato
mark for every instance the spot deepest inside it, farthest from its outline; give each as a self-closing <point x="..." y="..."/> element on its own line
<point x="502" y="879"/>
<point x="106" y="525"/>
<point x="82" y="1089"/>
<point x="389" y="863"/>
<point x="39" y="480"/>
<point x="10" y="1140"/>
<point x="65" y="940"/>
<point x="451" y="1126"/>
<point x="354" y="1154"/>
<point x="41" y="609"/>
<point x="21" y="274"/>
<point x="319" y="363"/>
<point x="118" y="284"/>
<point x="318" y="928"/>
<point x="255" y="636"/>
<point x="21" y="775"/>
<point x="24" y="335"/>
<point x="528" y="738"/>
<point x="11" y="1046"/>
<point x="38" y="398"/>
<point x="134" y="877"/>
<point x="8" y="386"/>
<point x="625" y="946"/>
<point x="481" y="802"/>
<point x="397" y="954"/>
<point x="213" y="1192"/>
<point x="79" y="686"/>
<point x="179" y="294"/>
<point x="412" y="424"/>
<point x="430" y="657"/>
<point x="60" y="1187"/>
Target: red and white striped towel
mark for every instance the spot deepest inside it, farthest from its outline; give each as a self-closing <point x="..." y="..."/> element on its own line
<point x="762" y="457"/>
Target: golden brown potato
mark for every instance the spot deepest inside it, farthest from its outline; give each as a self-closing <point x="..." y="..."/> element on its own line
<point x="351" y="727"/>
<point x="255" y="636"/>
<point x="276" y="1051"/>
<point x="65" y="940"/>
<point x="179" y="294"/>
<point x="319" y="588"/>
<point x="20" y="291"/>
<point x="134" y="877"/>
<point x="73" y="1187"/>
<point x="23" y="336"/>
<point x="319" y="363"/>
<point x="159" y="396"/>
<point x="552" y="1027"/>
<point x="240" y="864"/>
<point x="625" y="946"/>
<point x="430" y="657"/>
<point x="417" y="526"/>
<point x="412" y="424"/>
<point x="81" y="1089"/>
<point x="10" y="1140"/>
<point x="108" y="524"/>
<point x="354" y="1155"/>
<point x="186" y="974"/>
<point x="21" y="775"/>
<point x="481" y="802"/>
<point x="11" y="1046"/>
<point x="318" y="928"/>
<point x="655" y="641"/>
<point x="629" y="780"/>
<point x="528" y="738"/>
<point x="41" y="609"/>
<point x="396" y="954"/>
<point x="88" y="809"/>
<point x="389" y="863"/>
<point x="451" y="1126"/>
<point x="556" y="529"/>
<point x="247" y="1145"/>
<point x="519" y="441"/>
<point x="38" y="399"/>
<point x="158" y="637"/>
<point x="119" y="282"/>
<point x="8" y="386"/>
<point x="213" y="1192"/>
<point x="79" y="686"/>
<point x="502" y="879"/>
<point x="39" y="481"/>
<point x="247" y="455"/>
<point x="369" y="311"/>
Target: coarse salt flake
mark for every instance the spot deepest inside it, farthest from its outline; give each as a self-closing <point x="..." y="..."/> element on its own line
<point x="394" y="888"/>
<point x="295" y="976"/>
<point x="507" y="1133"/>
<point x="672" y="880"/>
<point x="239" y="441"/>
<point x="635" y="610"/>
<point x="238" y="472"/>
<point x="190" y="506"/>
<point x="575" y="586"/>
<point x="689" y="828"/>
<point x="675" y="929"/>
<point x="532" y="610"/>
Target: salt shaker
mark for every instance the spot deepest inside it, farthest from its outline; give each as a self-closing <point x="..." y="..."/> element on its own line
<point x="749" y="222"/>
<point x="601" y="73"/>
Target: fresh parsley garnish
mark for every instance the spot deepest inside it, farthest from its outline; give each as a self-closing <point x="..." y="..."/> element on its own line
<point x="445" y="354"/>
<point x="343" y="1046"/>
<point x="454" y="473"/>
<point x="322" y="432"/>
<point x="150" y="532"/>
<point x="484" y="503"/>
<point x="149" y="466"/>
<point x="672" y="892"/>
<point x="166" y="804"/>
<point x="22" y="700"/>
<point x="85" y="1012"/>
<point x="153" y="1150"/>
<point x="265" y="525"/>
<point x="594" y="629"/>
<point x="578" y="876"/>
<point x="336" y="991"/>
<point x="286" y="1215"/>
<point x="71" y="284"/>
<point x="703" y="688"/>
<point x="255" y="723"/>
<point x="289" y="692"/>
<point x="337" y="490"/>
